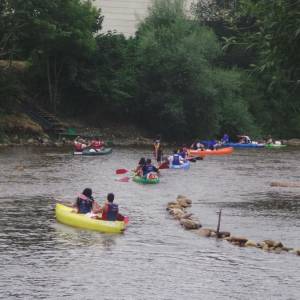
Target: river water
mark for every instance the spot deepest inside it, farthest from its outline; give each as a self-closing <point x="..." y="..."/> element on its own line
<point x="155" y="258"/>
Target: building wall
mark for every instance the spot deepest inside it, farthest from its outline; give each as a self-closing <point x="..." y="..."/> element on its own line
<point x="124" y="15"/>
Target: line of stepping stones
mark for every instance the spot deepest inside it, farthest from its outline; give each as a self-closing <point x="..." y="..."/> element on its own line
<point x="178" y="210"/>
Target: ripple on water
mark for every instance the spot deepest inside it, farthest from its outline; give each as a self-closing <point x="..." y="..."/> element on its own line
<point x="155" y="258"/>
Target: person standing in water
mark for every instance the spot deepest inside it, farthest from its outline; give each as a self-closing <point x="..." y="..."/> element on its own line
<point x="158" y="153"/>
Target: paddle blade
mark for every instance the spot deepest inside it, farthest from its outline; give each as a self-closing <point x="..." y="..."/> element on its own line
<point x="126" y="220"/>
<point x="124" y="179"/>
<point x="121" y="171"/>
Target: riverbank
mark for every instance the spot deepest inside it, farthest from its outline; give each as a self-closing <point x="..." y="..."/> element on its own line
<point x="21" y="130"/>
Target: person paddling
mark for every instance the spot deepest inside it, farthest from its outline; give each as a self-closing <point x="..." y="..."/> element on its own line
<point x="183" y="152"/>
<point x="79" y="144"/>
<point x="85" y="203"/>
<point x="175" y="159"/>
<point x="96" y="144"/>
<point x="244" y="139"/>
<point x="148" y="168"/>
<point x="110" y="210"/>
<point x="139" y="169"/>
<point x="225" y="139"/>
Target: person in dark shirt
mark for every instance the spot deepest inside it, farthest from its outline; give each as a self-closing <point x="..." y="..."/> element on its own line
<point x="85" y="202"/>
<point x="110" y="210"/>
<point x="149" y="168"/>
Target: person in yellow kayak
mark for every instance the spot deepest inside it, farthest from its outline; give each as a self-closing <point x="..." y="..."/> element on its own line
<point x="85" y="203"/>
<point x="110" y="210"/>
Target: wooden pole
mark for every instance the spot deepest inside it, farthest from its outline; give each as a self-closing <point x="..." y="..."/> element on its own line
<point x="219" y="222"/>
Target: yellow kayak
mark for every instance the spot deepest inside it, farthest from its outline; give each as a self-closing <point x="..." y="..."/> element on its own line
<point x="65" y="215"/>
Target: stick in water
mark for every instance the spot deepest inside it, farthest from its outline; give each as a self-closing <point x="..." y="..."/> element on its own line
<point x="219" y="222"/>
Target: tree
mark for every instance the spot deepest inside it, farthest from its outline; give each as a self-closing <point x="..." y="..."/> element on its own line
<point x="178" y="78"/>
<point x="56" y="34"/>
<point x="10" y="28"/>
<point x="274" y="33"/>
<point x="104" y="83"/>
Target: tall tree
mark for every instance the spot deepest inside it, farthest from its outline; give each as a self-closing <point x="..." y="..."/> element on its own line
<point x="274" y="32"/>
<point x="56" y="33"/>
<point x="180" y="85"/>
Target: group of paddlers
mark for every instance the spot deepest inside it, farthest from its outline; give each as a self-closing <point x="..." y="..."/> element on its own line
<point x="86" y="204"/>
<point x="178" y="157"/>
<point x="95" y="144"/>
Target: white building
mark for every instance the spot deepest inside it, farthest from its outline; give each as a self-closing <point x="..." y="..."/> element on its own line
<point x="124" y="15"/>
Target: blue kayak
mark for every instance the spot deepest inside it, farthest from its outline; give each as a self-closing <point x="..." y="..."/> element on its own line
<point x="184" y="166"/>
<point x="240" y="145"/>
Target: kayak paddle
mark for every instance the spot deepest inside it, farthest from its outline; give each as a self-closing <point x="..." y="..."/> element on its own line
<point x="121" y="171"/>
<point x="124" y="179"/>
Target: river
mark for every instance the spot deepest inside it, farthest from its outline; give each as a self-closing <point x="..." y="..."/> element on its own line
<point x="155" y="258"/>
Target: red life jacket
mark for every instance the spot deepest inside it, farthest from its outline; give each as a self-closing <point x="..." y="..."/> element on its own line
<point x="78" y="146"/>
<point x="110" y="212"/>
<point x="96" y="144"/>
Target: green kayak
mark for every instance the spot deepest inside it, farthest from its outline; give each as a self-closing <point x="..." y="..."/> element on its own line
<point x="275" y="146"/>
<point x="144" y="180"/>
<point x="92" y="152"/>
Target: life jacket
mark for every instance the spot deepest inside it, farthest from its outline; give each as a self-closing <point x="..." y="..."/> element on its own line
<point x="147" y="169"/>
<point x="182" y="154"/>
<point x="96" y="144"/>
<point x="151" y="175"/>
<point x="78" y="146"/>
<point x="84" y="204"/>
<point x="176" y="160"/>
<point x="225" y="138"/>
<point x="110" y="212"/>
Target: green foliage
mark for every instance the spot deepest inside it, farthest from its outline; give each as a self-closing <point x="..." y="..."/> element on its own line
<point x="233" y="68"/>
<point x="104" y="84"/>
<point x="55" y="34"/>
<point x="180" y="93"/>
<point x="11" y="90"/>
<point x="274" y="35"/>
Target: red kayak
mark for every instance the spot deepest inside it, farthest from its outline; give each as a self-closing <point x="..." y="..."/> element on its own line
<point x="201" y="153"/>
